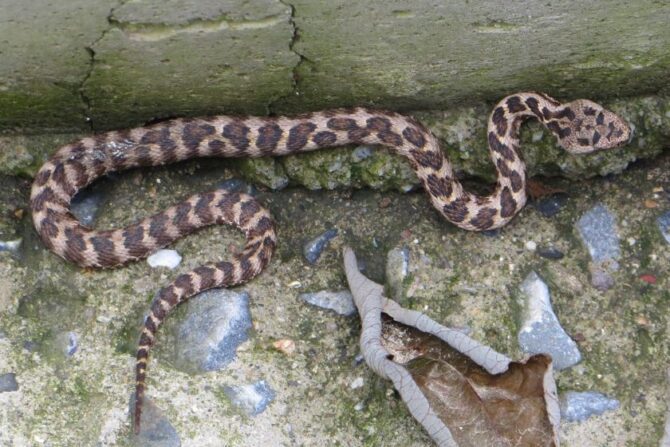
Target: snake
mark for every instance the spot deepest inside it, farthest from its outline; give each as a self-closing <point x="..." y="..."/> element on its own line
<point x="580" y="126"/>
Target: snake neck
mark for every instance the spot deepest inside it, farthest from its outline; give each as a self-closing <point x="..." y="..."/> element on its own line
<point x="475" y="212"/>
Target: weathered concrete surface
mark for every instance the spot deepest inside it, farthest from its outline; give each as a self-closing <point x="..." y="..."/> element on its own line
<point x="160" y="60"/>
<point x="121" y="63"/>
<point x="43" y="49"/>
<point x="460" y="278"/>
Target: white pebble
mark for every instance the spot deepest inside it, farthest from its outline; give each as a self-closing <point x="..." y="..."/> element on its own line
<point x="531" y="246"/>
<point x="164" y="258"/>
<point x="357" y="383"/>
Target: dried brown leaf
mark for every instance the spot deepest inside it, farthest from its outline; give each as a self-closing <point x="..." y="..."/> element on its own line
<point x="462" y="392"/>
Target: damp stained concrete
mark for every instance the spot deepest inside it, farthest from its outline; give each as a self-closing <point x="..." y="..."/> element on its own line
<point x="460" y="278"/>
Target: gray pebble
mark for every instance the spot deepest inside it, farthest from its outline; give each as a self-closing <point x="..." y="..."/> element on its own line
<point x="253" y="398"/>
<point x="11" y="246"/>
<point x="550" y="253"/>
<point x="600" y="278"/>
<point x="155" y="429"/>
<point x="540" y="331"/>
<point x="579" y="406"/>
<point x="663" y="223"/>
<point x="215" y="324"/>
<point x="68" y="343"/>
<point x="361" y="153"/>
<point x="312" y="250"/>
<point x="341" y="302"/>
<point x="85" y="206"/>
<point x="597" y="228"/>
<point x="8" y="383"/>
<point x="550" y="206"/>
<point x="238" y="185"/>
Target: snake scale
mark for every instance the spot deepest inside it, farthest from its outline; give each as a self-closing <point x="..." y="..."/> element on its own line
<point x="580" y="126"/>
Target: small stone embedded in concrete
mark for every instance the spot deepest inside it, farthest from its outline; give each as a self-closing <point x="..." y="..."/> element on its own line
<point x="8" y="383"/>
<point x="357" y="383"/>
<point x="550" y="252"/>
<point x="361" y="153"/>
<point x="597" y="228"/>
<point x="550" y="206"/>
<point x="663" y="222"/>
<point x="68" y="342"/>
<point x="540" y="330"/>
<point x="341" y="302"/>
<point x="155" y="429"/>
<point x="164" y="258"/>
<point x="217" y="321"/>
<point x="11" y="246"/>
<point x="397" y="269"/>
<point x="238" y="185"/>
<point x="253" y="398"/>
<point x="85" y="206"/>
<point x="601" y="278"/>
<point x="313" y="249"/>
<point x="579" y="406"/>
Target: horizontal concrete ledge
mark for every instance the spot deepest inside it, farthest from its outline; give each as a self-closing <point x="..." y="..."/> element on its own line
<point x="81" y="65"/>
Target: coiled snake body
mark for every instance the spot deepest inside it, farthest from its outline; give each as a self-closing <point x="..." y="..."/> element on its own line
<point x="580" y="126"/>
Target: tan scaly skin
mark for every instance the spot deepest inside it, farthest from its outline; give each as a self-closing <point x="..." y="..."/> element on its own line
<point x="581" y="126"/>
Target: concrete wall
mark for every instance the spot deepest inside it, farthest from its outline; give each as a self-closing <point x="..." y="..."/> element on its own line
<point x="77" y="65"/>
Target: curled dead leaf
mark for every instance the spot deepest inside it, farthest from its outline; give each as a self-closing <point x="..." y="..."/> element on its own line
<point x="462" y="392"/>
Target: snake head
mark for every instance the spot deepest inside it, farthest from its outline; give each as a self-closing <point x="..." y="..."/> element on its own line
<point x="583" y="126"/>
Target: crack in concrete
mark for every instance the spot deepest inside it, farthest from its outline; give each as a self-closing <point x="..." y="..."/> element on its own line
<point x="159" y="31"/>
<point x="86" y="101"/>
<point x="295" y="75"/>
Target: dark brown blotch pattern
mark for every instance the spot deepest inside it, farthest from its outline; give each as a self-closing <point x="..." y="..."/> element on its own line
<point x="415" y="137"/>
<point x="514" y="105"/>
<point x="484" y="218"/>
<point x="343" y="124"/>
<point x="157" y="229"/>
<point x="428" y="159"/>
<point x="268" y="137"/>
<point x="299" y="135"/>
<point x="439" y="186"/>
<point x="238" y="134"/>
<point x="497" y="146"/>
<point x="104" y="248"/>
<point x="456" y="210"/>
<point x="507" y="203"/>
<point x="202" y="207"/>
<point x="324" y="139"/>
<point x="378" y="124"/>
<point x="499" y="120"/>
<point x="133" y="241"/>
